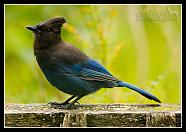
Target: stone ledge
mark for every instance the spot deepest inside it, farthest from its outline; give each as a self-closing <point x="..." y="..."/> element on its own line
<point x="93" y="115"/>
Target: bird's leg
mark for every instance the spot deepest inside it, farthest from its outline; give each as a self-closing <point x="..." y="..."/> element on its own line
<point x="71" y="105"/>
<point x="67" y="101"/>
<point x="63" y="103"/>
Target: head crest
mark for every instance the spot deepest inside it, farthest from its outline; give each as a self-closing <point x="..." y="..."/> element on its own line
<point x="56" y="22"/>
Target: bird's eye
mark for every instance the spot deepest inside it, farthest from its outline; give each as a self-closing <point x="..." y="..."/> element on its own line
<point x="48" y="30"/>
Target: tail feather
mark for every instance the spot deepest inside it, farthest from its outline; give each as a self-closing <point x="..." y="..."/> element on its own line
<point x="139" y="90"/>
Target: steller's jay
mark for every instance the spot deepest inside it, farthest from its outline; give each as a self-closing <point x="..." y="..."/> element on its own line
<point x="69" y="69"/>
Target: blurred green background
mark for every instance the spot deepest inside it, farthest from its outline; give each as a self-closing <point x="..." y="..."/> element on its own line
<point x="144" y="52"/>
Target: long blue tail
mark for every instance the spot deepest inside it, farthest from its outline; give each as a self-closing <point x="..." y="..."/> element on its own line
<point x="139" y="90"/>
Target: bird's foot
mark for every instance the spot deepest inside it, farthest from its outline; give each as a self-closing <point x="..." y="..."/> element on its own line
<point x="63" y="105"/>
<point x="71" y="106"/>
<point x="57" y="105"/>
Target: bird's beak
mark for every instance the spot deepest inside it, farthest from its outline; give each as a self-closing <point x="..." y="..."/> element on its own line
<point x="32" y="28"/>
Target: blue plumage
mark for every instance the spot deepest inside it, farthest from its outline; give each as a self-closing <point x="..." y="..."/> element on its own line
<point x="69" y="69"/>
<point x="139" y="90"/>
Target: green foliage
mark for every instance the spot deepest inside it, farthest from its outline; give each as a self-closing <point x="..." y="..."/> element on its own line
<point x="146" y="53"/>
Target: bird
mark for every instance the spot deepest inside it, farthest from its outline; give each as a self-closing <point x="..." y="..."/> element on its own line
<point x="68" y="68"/>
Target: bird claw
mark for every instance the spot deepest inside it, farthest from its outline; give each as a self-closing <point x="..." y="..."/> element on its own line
<point x="63" y="105"/>
<point x="71" y="106"/>
<point x="57" y="105"/>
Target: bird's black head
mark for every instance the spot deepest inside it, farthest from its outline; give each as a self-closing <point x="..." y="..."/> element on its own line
<point x="51" y="25"/>
<point x="47" y="32"/>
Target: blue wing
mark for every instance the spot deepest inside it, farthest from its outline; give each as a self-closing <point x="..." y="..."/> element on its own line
<point x="92" y="70"/>
<point x="91" y="65"/>
<point x="95" y="66"/>
<point x="94" y="75"/>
